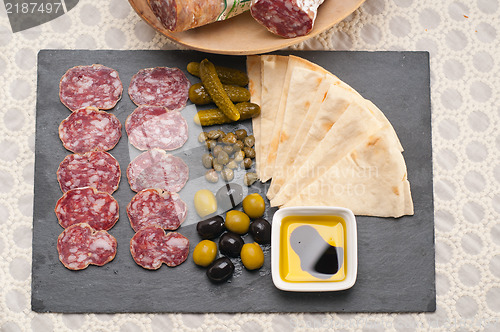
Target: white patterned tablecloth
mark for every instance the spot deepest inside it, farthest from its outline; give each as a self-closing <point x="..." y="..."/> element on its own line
<point x="463" y="38"/>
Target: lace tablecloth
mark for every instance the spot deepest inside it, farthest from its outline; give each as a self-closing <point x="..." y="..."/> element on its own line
<point x="463" y="38"/>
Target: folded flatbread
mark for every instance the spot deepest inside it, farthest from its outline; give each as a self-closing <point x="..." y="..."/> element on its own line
<point x="255" y="88"/>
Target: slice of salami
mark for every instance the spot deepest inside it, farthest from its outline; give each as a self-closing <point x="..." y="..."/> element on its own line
<point x="160" y="86"/>
<point x="89" y="129"/>
<point x="153" y="207"/>
<point x="94" y="85"/>
<point x="151" y="127"/>
<point x="80" y="245"/>
<point x="87" y="205"/>
<point x="92" y="169"/>
<point x="286" y="18"/>
<point x="150" y="247"/>
<point x="157" y="169"/>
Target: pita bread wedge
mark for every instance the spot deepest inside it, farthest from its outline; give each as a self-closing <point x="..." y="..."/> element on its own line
<point x="353" y="127"/>
<point x="255" y="88"/>
<point x="371" y="180"/>
<point x="273" y="72"/>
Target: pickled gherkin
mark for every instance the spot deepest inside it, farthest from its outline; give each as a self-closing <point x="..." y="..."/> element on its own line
<point x="199" y="95"/>
<point x="215" y="116"/>
<point x="226" y="75"/>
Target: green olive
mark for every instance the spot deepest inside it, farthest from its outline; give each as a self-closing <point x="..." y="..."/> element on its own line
<point x="249" y="152"/>
<point x="240" y="134"/>
<point x="254" y="206"/>
<point x="204" y="253"/>
<point x="249" y="141"/>
<point x="207" y="160"/>
<point x="237" y="222"/>
<point x="252" y="256"/>
<point x="205" y="202"/>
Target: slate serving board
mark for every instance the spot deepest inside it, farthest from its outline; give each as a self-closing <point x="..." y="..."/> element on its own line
<point x="396" y="256"/>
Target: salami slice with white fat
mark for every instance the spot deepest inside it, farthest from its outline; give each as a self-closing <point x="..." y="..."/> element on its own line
<point x="151" y="127"/>
<point x="94" y="85"/>
<point x="153" y="207"/>
<point x="80" y="246"/>
<point x="87" y="205"/>
<point x="157" y="169"/>
<point x="150" y="247"/>
<point x="286" y="18"/>
<point x="96" y="169"/>
<point x="89" y="129"/>
<point x="160" y="86"/>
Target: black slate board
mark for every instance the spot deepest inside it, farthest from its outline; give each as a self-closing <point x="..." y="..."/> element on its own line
<point x="396" y="256"/>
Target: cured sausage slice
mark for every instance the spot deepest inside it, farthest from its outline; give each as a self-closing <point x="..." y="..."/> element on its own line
<point x="87" y="205"/>
<point x="150" y="247"/>
<point x="286" y="18"/>
<point x="80" y="245"/>
<point x="157" y="169"/>
<point x="152" y="207"/>
<point x="160" y="86"/>
<point x="92" y="169"/>
<point x="156" y="127"/>
<point x="94" y="85"/>
<point x="89" y="129"/>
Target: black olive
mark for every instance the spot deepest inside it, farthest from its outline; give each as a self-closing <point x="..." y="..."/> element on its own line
<point x="230" y="244"/>
<point x="220" y="270"/>
<point x="261" y="231"/>
<point x="211" y="228"/>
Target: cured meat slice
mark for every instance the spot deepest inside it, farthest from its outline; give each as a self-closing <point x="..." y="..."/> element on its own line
<point x="157" y="169"/>
<point x="151" y="127"/>
<point x="92" y="169"/>
<point x="80" y="245"/>
<point x="286" y="18"/>
<point x="94" y="85"/>
<point x="160" y="86"/>
<point x="150" y="247"/>
<point x="87" y="205"/>
<point x="152" y="207"/>
<point x="89" y="129"/>
<point x="181" y="15"/>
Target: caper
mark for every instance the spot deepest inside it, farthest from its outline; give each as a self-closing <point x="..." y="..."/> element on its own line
<point x="212" y="176"/>
<point x="218" y="167"/>
<point x="230" y="138"/>
<point x="246" y="163"/>
<point x="202" y="137"/>
<point x="250" y="179"/>
<point x="211" y="144"/>
<point x="249" y="152"/>
<point x="249" y="141"/>
<point x="232" y="164"/>
<point x="213" y="134"/>
<point x="239" y="145"/>
<point x="240" y="134"/>
<point x="222" y="158"/>
<point x="227" y="174"/>
<point x="228" y="149"/>
<point x="216" y="150"/>
<point x="239" y="156"/>
<point x="207" y="160"/>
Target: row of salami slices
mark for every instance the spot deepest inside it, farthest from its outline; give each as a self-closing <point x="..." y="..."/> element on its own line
<point x="88" y="177"/>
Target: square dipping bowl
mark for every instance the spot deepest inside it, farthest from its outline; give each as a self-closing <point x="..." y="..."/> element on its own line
<point x="309" y="244"/>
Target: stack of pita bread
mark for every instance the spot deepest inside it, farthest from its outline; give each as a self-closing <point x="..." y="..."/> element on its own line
<point x="322" y="143"/>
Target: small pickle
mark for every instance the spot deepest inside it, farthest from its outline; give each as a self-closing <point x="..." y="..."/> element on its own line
<point x="249" y="152"/>
<point x="212" y="176"/>
<point x="226" y="75"/>
<point x="222" y="158"/>
<point x="241" y="134"/>
<point x="228" y="149"/>
<point x="202" y="137"/>
<point x="239" y="156"/>
<point x="214" y="87"/>
<point x="249" y="141"/>
<point x="216" y="150"/>
<point x="246" y="163"/>
<point x="250" y="179"/>
<point x="207" y="160"/>
<point x="230" y="138"/>
<point x="227" y="174"/>
<point x="199" y="95"/>
<point x="215" y="116"/>
<point x="218" y="167"/>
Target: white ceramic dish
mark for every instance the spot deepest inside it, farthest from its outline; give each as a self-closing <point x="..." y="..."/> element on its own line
<point x="351" y="247"/>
